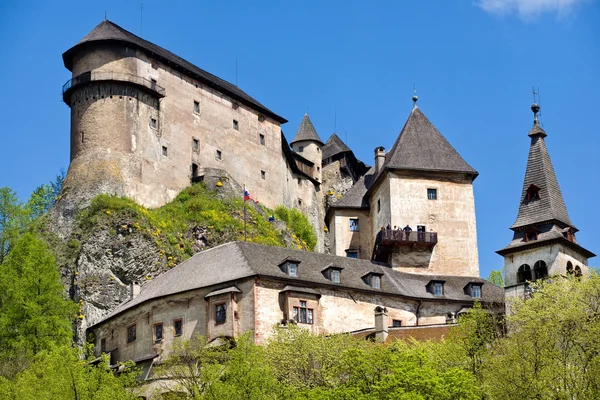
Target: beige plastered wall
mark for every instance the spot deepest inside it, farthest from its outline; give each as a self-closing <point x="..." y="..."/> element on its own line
<point x="345" y="239"/>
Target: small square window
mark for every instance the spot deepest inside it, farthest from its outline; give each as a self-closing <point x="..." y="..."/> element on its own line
<point x="318" y="149"/>
<point x="234" y="105"/>
<point x="236" y="125"/>
<point x="335" y="275"/>
<point x="353" y="224"/>
<point x="432" y="194"/>
<point x="300" y="149"/>
<point x="293" y="269"/>
<point x="220" y="313"/>
<point x="131" y="334"/>
<point x="261" y="139"/>
<point x="219" y="155"/>
<point x="299" y="202"/>
<point x="164" y="151"/>
<point x="195" y="144"/>
<point x="396" y="323"/>
<point x="351" y="253"/>
<point x="153" y="123"/>
<point x="476" y="291"/>
<point x="263" y="175"/>
<point x="438" y="289"/>
<point x="177" y="327"/>
<point x="375" y="281"/>
<point x="158" y="332"/>
<point x="421" y="228"/>
<point x="196" y="107"/>
<point x="261" y="118"/>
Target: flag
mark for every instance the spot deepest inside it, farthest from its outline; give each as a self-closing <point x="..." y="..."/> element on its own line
<point x="246" y="194"/>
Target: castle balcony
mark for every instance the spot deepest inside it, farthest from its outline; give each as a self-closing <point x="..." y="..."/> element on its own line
<point x="144" y="84"/>
<point x="389" y="239"/>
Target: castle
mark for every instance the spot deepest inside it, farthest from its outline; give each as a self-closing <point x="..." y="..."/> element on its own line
<point x="401" y="234"/>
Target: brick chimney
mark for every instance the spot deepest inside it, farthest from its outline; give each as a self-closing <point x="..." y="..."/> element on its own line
<point x="379" y="158"/>
<point x="135" y="289"/>
<point x="381" y="323"/>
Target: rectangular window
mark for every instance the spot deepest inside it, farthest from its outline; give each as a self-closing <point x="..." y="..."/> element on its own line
<point x="219" y="155"/>
<point x="196" y="107"/>
<point x="103" y="345"/>
<point x="375" y="282"/>
<point x="351" y="253"/>
<point x="220" y="313"/>
<point x="476" y="291"/>
<point x="177" y="327"/>
<point x="131" y="334"/>
<point x="263" y="175"/>
<point x="261" y="139"/>
<point x="396" y="323"/>
<point x="438" y="289"/>
<point x="195" y="144"/>
<point x="164" y="151"/>
<point x="353" y="224"/>
<point x="293" y="269"/>
<point x="153" y="123"/>
<point x="335" y="275"/>
<point x="432" y="194"/>
<point x="236" y="125"/>
<point x="378" y="205"/>
<point x="158" y="332"/>
<point x="421" y="228"/>
<point x="303" y="314"/>
<point x="300" y="149"/>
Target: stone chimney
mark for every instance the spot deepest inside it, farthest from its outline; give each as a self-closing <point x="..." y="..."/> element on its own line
<point x="381" y="323"/>
<point x="135" y="289"/>
<point x="379" y="158"/>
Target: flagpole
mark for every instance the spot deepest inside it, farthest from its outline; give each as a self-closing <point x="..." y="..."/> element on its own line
<point x="244" y="213"/>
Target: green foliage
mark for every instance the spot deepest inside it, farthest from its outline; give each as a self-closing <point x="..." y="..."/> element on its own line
<point x="13" y="220"/>
<point x="34" y="314"/>
<point x="301" y="228"/>
<point x="496" y="277"/>
<point x="64" y="373"/>
<point x="44" y="196"/>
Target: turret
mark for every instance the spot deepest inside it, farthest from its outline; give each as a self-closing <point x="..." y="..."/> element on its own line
<point x="308" y="144"/>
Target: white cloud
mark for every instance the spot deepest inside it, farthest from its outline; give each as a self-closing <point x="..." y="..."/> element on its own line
<point x="529" y="8"/>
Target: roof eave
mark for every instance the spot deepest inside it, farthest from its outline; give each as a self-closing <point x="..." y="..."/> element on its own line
<point x="539" y="243"/>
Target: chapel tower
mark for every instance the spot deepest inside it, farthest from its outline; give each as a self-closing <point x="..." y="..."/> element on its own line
<point x="543" y="241"/>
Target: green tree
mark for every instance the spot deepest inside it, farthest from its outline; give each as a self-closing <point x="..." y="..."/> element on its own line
<point x="496" y="277"/>
<point x="552" y="350"/>
<point x="13" y="219"/>
<point x="64" y="373"/>
<point x="44" y="196"/>
<point x="34" y="314"/>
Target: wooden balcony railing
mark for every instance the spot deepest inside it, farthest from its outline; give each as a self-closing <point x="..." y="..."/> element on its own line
<point x="391" y="237"/>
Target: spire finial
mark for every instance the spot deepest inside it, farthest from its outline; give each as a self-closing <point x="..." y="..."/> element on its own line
<point x="415" y="98"/>
<point x="535" y="107"/>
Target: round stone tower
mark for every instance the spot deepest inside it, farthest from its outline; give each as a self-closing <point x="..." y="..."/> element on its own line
<point x="308" y="145"/>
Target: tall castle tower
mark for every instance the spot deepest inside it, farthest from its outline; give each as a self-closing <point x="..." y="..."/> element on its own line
<point x="543" y="241"/>
<point x="308" y="144"/>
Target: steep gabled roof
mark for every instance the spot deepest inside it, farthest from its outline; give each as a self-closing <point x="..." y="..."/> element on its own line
<point x="334" y="146"/>
<point x="420" y="146"/>
<point x="241" y="260"/>
<point x="108" y="31"/>
<point x="550" y="205"/>
<point x="306" y="131"/>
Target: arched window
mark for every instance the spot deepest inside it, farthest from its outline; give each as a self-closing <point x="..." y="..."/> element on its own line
<point x="541" y="270"/>
<point x="578" y="271"/>
<point x="524" y="273"/>
<point x="569" y="268"/>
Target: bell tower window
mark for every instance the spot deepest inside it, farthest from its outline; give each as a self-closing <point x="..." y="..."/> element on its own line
<point x="524" y="273"/>
<point x="533" y="193"/>
<point x="541" y="270"/>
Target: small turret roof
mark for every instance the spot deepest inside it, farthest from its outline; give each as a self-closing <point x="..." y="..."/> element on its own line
<point x="540" y="172"/>
<point x="420" y="146"/>
<point x="306" y="131"/>
<point x="333" y="146"/>
<point x="108" y="31"/>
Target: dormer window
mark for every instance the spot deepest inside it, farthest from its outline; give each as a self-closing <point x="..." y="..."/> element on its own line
<point x="373" y="279"/>
<point x="436" y="288"/>
<point x="290" y="267"/>
<point x="473" y="289"/>
<point x="333" y="273"/>
<point x="531" y="234"/>
<point x="533" y="193"/>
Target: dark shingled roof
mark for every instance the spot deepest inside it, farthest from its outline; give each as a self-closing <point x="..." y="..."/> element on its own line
<point x="334" y="146"/>
<point x="108" y="31"/>
<point x="241" y="260"/>
<point x="540" y="172"/>
<point x="420" y="146"/>
<point x="306" y="131"/>
<point x="356" y="197"/>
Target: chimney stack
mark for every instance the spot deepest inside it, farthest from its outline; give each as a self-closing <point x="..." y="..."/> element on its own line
<point x="381" y="324"/>
<point x="135" y="289"/>
<point x="379" y="158"/>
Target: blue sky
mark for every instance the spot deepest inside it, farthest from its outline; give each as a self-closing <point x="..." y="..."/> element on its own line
<point x="474" y="63"/>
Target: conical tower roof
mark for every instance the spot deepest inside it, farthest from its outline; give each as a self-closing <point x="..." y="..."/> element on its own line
<point x="420" y="146"/>
<point x="333" y="146"/>
<point x="541" y="198"/>
<point x="306" y="131"/>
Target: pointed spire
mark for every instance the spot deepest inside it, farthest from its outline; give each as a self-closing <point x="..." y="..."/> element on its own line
<point x="306" y="131"/>
<point x="541" y="198"/>
<point x="415" y="98"/>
